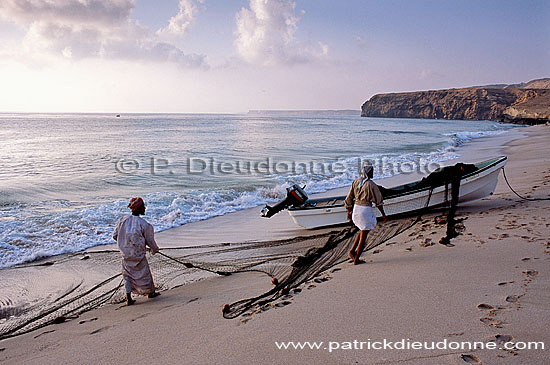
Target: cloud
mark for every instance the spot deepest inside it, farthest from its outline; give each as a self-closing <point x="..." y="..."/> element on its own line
<point x="97" y="12"/>
<point x="178" y="24"/>
<point x="79" y="29"/>
<point x="427" y="74"/>
<point x="265" y="35"/>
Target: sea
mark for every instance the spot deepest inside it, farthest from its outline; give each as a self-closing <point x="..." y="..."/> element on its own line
<point x="65" y="179"/>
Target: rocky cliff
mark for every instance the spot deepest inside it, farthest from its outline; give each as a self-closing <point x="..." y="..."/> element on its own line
<point x="533" y="107"/>
<point x="507" y="104"/>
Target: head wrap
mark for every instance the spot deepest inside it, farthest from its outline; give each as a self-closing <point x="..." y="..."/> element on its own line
<point x="135" y="204"/>
<point x="366" y="168"/>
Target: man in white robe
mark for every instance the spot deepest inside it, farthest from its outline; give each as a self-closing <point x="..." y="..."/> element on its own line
<point x="362" y="195"/>
<point x="133" y="234"/>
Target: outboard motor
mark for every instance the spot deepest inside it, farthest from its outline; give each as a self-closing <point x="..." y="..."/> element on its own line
<point x="295" y="196"/>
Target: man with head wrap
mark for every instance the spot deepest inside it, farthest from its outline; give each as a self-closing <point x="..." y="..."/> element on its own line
<point x="362" y="195"/>
<point x="133" y="234"/>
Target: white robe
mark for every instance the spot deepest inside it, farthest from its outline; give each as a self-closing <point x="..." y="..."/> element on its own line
<point x="363" y="217"/>
<point x="132" y="234"/>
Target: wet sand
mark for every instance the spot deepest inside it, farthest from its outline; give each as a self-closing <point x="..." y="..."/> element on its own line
<point x="492" y="285"/>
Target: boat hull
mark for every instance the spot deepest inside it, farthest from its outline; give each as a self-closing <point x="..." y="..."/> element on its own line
<point x="473" y="187"/>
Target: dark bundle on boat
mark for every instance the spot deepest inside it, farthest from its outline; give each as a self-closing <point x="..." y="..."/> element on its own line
<point x="448" y="176"/>
<point x="441" y="176"/>
<point x="295" y="196"/>
<point x="445" y="175"/>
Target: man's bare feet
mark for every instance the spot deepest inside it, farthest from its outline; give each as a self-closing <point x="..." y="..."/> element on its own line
<point x="351" y="255"/>
<point x="153" y="295"/>
<point x="358" y="262"/>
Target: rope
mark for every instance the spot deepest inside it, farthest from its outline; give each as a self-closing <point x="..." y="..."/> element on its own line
<point x="521" y="197"/>
<point x="190" y="265"/>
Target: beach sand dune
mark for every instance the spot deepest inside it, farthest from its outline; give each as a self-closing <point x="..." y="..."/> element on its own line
<point x="492" y="285"/>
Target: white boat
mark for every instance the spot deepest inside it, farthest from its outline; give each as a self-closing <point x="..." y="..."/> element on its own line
<point x="403" y="199"/>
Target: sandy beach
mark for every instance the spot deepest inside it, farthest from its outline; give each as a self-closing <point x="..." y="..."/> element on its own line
<point x="492" y="286"/>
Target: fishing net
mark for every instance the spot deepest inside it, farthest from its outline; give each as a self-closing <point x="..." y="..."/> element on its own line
<point x="35" y="295"/>
<point x="320" y="255"/>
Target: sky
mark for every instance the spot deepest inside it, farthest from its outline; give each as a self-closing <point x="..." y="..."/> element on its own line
<point x="231" y="56"/>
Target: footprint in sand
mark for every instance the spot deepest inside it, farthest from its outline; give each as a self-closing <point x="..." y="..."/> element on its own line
<point x="376" y="251"/>
<point x="490" y="313"/>
<point x="502" y="283"/>
<point x="283" y="304"/>
<point x="311" y="286"/>
<point x="512" y="298"/>
<point x="484" y="306"/>
<point x="470" y="359"/>
<point x="491" y="322"/>
<point x="335" y="269"/>
<point x="530" y="273"/>
<point x="100" y="330"/>
<point x="504" y="338"/>
<point x="88" y="320"/>
<point x="427" y="242"/>
<point x="322" y="280"/>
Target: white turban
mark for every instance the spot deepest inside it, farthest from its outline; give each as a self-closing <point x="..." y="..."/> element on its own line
<point x="366" y="168"/>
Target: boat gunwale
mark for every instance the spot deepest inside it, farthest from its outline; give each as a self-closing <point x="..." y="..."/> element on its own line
<point x="495" y="161"/>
